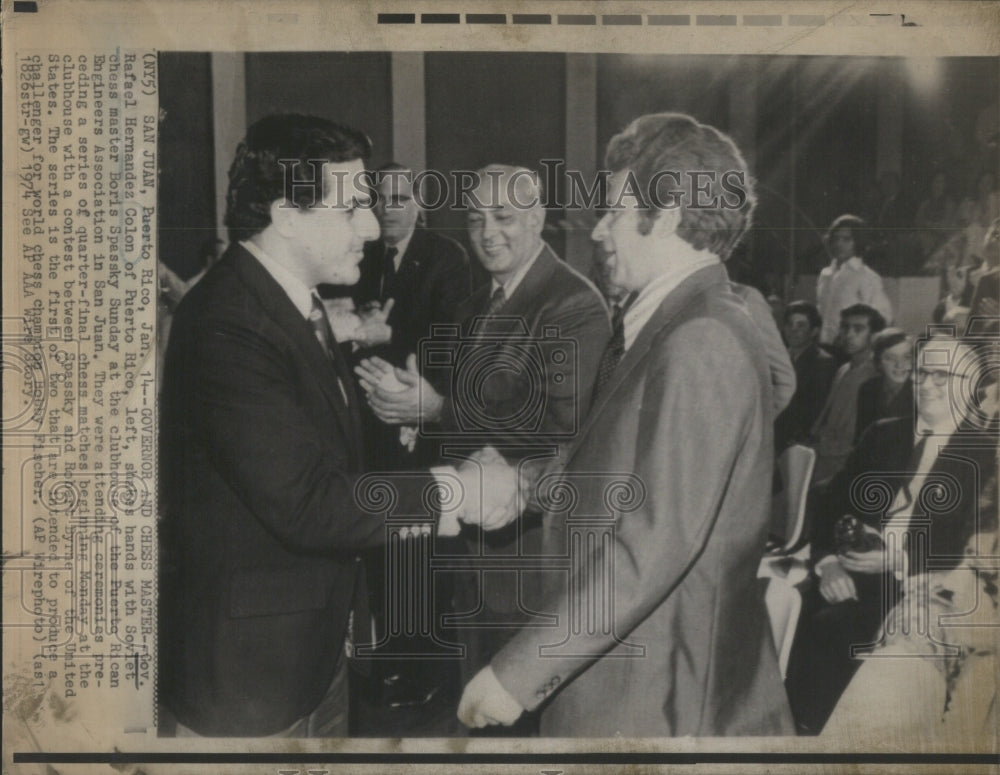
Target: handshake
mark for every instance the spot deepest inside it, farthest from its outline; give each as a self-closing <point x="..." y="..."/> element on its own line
<point x="489" y="492"/>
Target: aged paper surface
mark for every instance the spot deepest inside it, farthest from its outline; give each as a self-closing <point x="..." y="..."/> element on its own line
<point x="82" y="162"/>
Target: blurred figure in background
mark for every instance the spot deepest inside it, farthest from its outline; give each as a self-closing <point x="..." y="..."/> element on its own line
<point x="814" y="372"/>
<point x="890" y="394"/>
<point x="834" y="431"/>
<point x="847" y="280"/>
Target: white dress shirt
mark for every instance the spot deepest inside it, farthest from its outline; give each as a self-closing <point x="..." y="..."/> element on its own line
<point x="853" y="282"/>
<point x="515" y="279"/>
<point x="650" y="297"/>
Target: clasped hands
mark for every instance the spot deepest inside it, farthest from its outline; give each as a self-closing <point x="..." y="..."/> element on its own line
<point x="488" y="494"/>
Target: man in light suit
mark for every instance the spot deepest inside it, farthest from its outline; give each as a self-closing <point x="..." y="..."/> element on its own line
<point x="262" y="451"/>
<point x="675" y="638"/>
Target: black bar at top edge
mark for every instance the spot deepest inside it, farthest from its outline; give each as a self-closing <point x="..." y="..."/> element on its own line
<point x="485" y="18"/>
<point x="609" y="19"/>
<point x="25" y="6"/>
<point x="397" y="18"/>
<point x="120" y="757"/>
<point x="670" y="20"/>
<point x="440" y="18"/>
<point x="576" y="18"/>
<point x="532" y="18"/>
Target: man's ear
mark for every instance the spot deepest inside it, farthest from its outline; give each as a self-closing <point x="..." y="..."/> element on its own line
<point x="284" y="217"/>
<point x="666" y="222"/>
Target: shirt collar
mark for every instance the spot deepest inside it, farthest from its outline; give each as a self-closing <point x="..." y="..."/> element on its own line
<point x="401" y="247"/>
<point x="300" y="295"/>
<point x="650" y="297"/>
<point x="515" y="280"/>
<point x="854" y="262"/>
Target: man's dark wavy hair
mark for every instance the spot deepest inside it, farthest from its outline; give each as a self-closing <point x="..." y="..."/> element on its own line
<point x="256" y="179"/>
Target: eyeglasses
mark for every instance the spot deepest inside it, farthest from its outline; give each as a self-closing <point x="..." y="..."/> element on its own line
<point x="940" y="378"/>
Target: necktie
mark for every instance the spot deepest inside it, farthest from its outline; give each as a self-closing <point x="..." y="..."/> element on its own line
<point x="321" y="327"/>
<point x="388" y="272"/>
<point x="615" y="349"/>
<point x="497" y="300"/>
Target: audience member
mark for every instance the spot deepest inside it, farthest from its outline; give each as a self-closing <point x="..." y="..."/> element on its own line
<point x="936" y="215"/>
<point x="900" y="480"/>
<point x="984" y="302"/>
<point x="949" y="693"/>
<point x="833" y="433"/>
<point x="814" y="373"/>
<point x="847" y="280"/>
<point x="954" y="306"/>
<point x="890" y="393"/>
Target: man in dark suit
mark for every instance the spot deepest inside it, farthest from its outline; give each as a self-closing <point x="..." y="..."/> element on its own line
<point x="424" y="273"/>
<point x="656" y="524"/>
<point x="814" y="372"/>
<point x="418" y="277"/>
<point x="262" y="451"/>
<point x="526" y="358"/>
<point x="921" y="484"/>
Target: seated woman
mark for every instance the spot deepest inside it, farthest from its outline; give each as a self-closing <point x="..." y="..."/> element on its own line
<point x="954" y="305"/>
<point x="906" y="496"/>
<point x="890" y="393"/>
<point x="949" y="695"/>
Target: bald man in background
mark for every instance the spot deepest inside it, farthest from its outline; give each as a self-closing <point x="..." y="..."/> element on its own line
<point x="533" y="338"/>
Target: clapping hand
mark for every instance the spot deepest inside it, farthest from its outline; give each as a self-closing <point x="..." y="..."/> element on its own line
<point x="374" y="329"/>
<point x="398" y="396"/>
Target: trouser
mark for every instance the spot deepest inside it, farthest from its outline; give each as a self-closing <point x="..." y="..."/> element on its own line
<point x="328" y="719"/>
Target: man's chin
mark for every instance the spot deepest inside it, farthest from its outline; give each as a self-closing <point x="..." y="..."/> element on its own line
<point x="345" y="276"/>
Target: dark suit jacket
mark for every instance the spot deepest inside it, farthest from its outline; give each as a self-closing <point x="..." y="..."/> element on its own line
<point x="553" y="331"/>
<point x="259" y="460"/>
<point x="538" y="361"/>
<point x="685" y="421"/>
<point x="432" y="279"/>
<point x="870" y="408"/>
<point x="814" y="373"/>
<point x="884" y="460"/>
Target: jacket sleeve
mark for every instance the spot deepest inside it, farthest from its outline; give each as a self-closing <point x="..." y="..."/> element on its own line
<point x="654" y="548"/>
<point x="247" y="415"/>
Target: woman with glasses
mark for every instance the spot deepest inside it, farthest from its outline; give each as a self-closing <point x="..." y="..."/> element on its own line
<point x="890" y="393"/>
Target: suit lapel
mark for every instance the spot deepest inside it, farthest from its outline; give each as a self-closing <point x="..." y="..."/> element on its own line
<point x="280" y="309"/>
<point x="672" y="305"/>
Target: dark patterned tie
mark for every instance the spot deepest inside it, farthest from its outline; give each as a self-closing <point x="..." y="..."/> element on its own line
<point x="616" y="347"/>
<point x="497" y="300"/>
<point x="388" y="273"/>
<point x="324" y="333"/>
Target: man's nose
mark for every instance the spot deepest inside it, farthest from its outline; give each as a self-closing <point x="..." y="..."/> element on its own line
<point x="490" y="228"/>
<point x="600" y="230"/>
